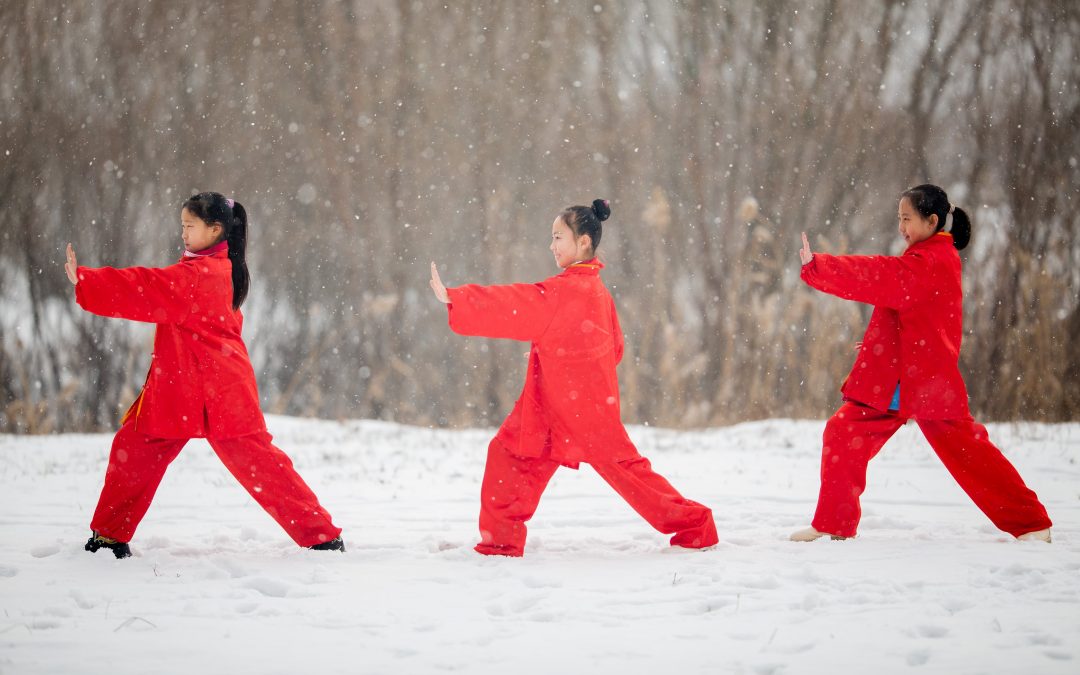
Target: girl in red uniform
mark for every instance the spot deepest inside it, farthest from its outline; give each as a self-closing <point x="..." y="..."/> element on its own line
<point x="907" y="367"/>
<point x="568" y="412"/>
<point x="200" y="384"/>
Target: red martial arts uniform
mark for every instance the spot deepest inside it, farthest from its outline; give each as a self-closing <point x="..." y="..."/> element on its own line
<point x="912" y="341"/>
<point x="569" y="410"/>
<point x="200" y="385"/>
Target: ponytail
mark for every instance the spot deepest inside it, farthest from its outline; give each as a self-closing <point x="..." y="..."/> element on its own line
<point x="930" y="200"/>
<point x="961" y="228"/>
<point x="237" y="238"/>
<point x="213" y="207"/>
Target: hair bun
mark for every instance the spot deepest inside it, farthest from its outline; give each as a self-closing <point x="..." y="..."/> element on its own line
<point x="602" y="209"/>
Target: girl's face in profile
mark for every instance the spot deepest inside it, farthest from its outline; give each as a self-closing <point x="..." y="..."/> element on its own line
<point x="567" y="248"/>
<point x="913" y="227"/>
<point x="196" y="233"/>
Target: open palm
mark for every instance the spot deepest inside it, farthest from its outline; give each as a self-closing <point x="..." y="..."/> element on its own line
<point x="71" y="266"/>
<point x="437" y="286"/>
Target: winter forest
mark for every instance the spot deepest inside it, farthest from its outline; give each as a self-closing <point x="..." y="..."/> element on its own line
<point x="367" y="138"/>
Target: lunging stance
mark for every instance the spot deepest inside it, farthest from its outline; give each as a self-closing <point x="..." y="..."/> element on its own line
<point x="200" y="384"/>
<point x="568" y="412"/>
<point x="907" y="368"/>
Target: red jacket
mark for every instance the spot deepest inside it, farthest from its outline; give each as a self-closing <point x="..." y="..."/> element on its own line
<point x="915" y="331"/>
<point x="200" y="383"/>
<point x="570" y="403"/>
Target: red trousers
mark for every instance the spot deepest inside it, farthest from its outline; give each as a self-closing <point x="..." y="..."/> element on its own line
<point x="855" y="434"/>
<point x="137" y="464"/>
<point x="512" y="487"/>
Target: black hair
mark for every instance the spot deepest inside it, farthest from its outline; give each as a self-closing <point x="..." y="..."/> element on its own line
<point x="586" y="219"/>
<point x="930" y="200"/>
<point x="213" y="207"/>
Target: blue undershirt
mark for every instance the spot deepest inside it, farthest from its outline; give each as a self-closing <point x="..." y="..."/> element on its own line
<point x="895" y="404"/>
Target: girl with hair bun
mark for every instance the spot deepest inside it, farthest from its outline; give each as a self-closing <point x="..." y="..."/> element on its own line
<point x="907" y="368"/>
<point x="568" y="412"/>
<point x="200" y="385"/>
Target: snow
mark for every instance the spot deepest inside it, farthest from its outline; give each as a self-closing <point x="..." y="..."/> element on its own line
<point x="929" y="586"/>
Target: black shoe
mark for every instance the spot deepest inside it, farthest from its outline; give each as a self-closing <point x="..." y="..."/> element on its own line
<point x="336" y="544"/>
<point x="119" y="548"/>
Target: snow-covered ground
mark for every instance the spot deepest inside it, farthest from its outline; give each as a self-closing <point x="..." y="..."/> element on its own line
<point x="216" y="587"/>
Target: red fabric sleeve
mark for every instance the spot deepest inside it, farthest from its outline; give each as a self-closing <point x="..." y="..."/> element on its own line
<point x="150" y="294"/>
<point x="896" y="282"/>
<point x="514" y="311"/>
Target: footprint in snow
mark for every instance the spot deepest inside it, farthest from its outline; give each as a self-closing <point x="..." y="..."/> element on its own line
<point x="273" y="588"/>
<point x="931" y="631"/>
<point x="82" y="600"/>
<point x="443" y="545"/>
<point x="955" y="605"/>
<point x="45" y="551"/>
<point x="1044" y="639"/>
<point x="62" y="612"/>
<point x="707" y="606"/>
<point x="513" y="605"/>
<point x="44" y="624"/>
<point x="918" y="657"/>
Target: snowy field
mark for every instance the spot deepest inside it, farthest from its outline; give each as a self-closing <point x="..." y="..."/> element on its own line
<point x="929" y="586"/>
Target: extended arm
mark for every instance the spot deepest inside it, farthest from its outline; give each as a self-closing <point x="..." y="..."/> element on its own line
<point x="514" y="311"/>
<point x="895" y="282"/>
<point x="150" y="294"/>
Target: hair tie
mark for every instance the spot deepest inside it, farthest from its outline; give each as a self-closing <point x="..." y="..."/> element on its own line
<point x="229" y="202"/>
<point x="949" y="219"/>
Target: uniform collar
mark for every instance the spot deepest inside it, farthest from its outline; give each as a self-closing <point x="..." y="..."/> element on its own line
<point x="932" y="240"/>
<point x="220" y="247"/>
<point x="591" y="267"/>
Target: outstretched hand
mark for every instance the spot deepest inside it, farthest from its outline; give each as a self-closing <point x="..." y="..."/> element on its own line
<point x="71" y="265"/>
<point x="805" y="254"/>
<point x="438" y="287"/>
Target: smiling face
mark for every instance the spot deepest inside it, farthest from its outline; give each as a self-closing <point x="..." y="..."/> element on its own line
<point x="567" y="248"/>
<point x="913" y="227"/>
<point x="197" y="235"/>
